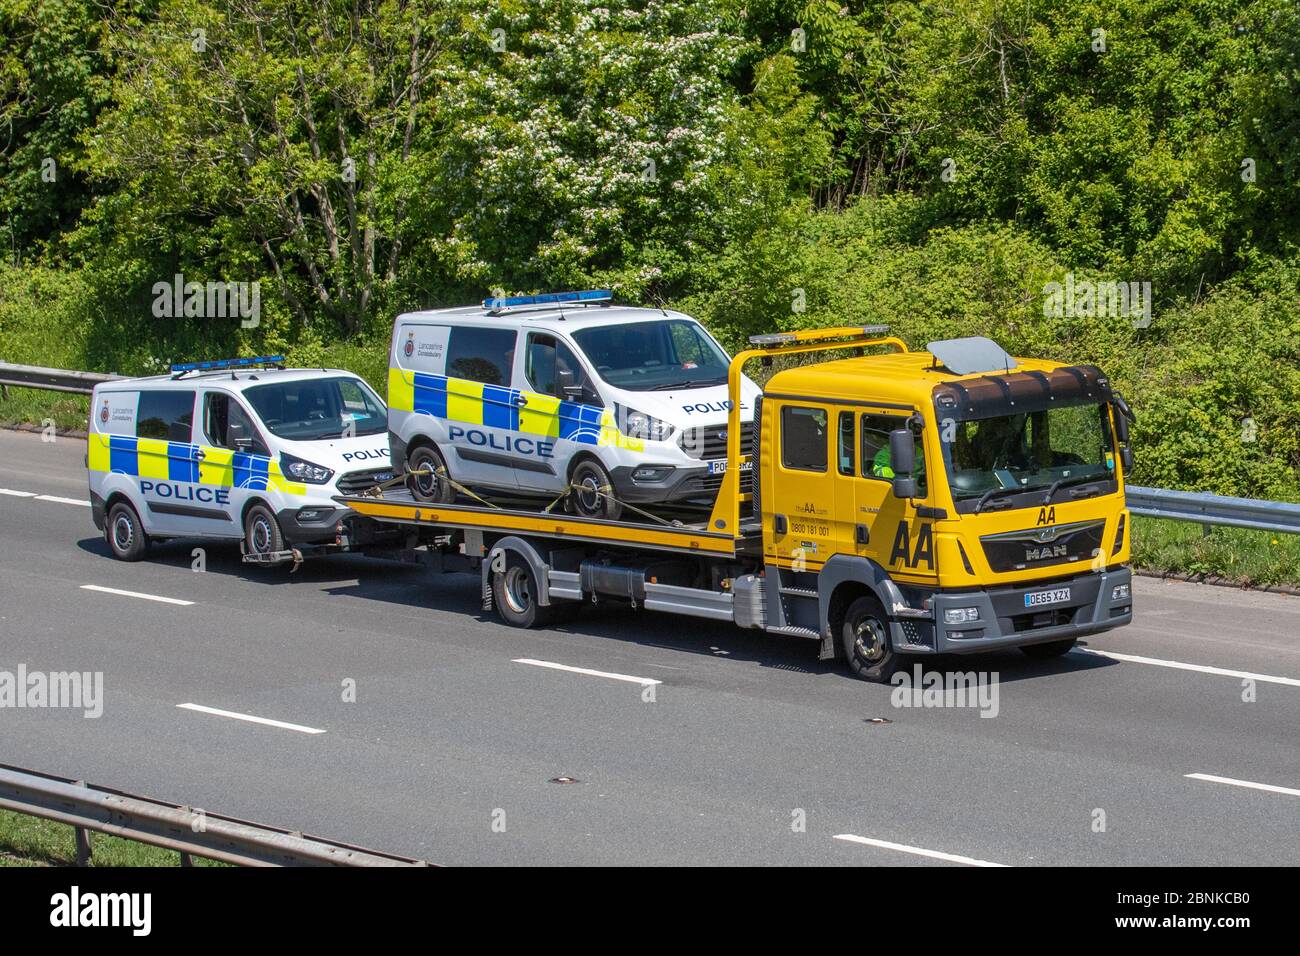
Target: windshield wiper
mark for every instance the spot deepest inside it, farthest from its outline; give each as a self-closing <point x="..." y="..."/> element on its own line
<point x="993" y="493"/>
<point x="689" y="383"/>
<point x="1062" y="482"/>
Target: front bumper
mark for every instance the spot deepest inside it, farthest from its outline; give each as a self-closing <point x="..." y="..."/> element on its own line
<point x="680" y="484"/>
<point x="1004" y="621"/>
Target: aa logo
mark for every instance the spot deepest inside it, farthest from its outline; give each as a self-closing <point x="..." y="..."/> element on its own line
<point x="1047" y="515"/>
<point x="904" y="554"/>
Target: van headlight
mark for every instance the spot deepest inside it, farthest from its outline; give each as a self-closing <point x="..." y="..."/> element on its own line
<point x="301" y="470"/>
<point x="636" y="424"/>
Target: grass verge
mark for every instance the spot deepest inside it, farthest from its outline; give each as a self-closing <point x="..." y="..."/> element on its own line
<point x="1239" y="555"/>
<point x="33" y="841"/>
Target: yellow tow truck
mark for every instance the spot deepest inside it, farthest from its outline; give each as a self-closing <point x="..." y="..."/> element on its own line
<point x="948" y="501"/>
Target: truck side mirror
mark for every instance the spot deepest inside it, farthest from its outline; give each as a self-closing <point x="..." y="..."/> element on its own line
<point x="1121" y="426"/>
<point x="902" y="452"/>
<point x="1126" y="457"/>
<point x="904" y="487"/>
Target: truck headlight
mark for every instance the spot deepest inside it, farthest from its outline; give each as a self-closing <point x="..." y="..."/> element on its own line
<point x="301" y="470"/>
<point x="960" y="615"/>
<point x="636" y="424"/>
<point x="1120" y="592"/>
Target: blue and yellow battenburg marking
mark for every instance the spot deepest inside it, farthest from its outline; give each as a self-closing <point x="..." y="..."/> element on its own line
<point x="175" y="461"/>
<point x="493" y="406"/>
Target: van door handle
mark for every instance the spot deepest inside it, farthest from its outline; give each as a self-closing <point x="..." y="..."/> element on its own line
<point x="521" y="400"/>
<point x="199" y="454"/>
<point x="861" y="534"/>
<point x="778" y="524"/>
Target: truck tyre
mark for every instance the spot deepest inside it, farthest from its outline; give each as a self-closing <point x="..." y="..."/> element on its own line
<point x="515" y="591"/>
<point x="865" y="638"/>
<point x="1050" y="649"/>
<point x="433" y="487"/>
<point x="124" y="533"/>
<point x="262" y="533"/>
<point x="590" y="477"/>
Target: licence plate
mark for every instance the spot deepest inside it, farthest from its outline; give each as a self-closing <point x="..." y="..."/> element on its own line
<point x="1042" y="598"/>
<point x="719" y="467"/>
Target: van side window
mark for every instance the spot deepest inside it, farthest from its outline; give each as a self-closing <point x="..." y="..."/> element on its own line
<point x="229" y="426"/>
<point x="803" y="438"/>
<point x="481" y="355"/>
<point x="165" y="414"/>
<point x="545" y="359"/>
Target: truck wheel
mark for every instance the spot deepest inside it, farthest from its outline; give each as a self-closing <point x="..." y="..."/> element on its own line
<point x="865" y="638"/>
<point x="262" y="533"/>
<point x="1050" y="649"/>
<point x="434" y="486"/>
<point x="515" y="591"/>
<point x="589" y="478"/>
<point x="125" y="536"/>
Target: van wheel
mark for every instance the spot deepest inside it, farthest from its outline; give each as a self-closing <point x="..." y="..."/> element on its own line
<point x="433" y="486"/>
<point x="125" y="536"/>
<point x="262" y="533"/>
<point x="865" y="639"/>
<point x="1050" y="649"/>
<point x="592" y="493"/>
<point x="515" y="591"/>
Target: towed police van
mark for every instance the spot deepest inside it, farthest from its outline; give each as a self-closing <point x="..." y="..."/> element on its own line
<point x="233" y="450"/>
<point x="543" y="395"/>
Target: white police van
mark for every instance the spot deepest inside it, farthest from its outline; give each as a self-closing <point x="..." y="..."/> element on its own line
<point x="236" y="450"/>
<point x="535" y="395"/>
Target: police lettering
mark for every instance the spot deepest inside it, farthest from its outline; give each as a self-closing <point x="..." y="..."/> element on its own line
<point x="377" y="454"/>
<point x="511" y="443"/>
<point x="704" y="408"/>
<point x="182" y="492"/>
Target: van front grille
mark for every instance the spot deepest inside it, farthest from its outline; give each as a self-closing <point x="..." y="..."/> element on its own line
<point x="709" y="442"/>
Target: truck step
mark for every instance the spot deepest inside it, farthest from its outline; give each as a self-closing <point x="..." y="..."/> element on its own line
<point x="795" y="631"/>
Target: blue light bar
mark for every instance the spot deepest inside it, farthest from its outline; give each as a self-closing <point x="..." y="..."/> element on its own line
<point x="546" y="298"/>
<point x="228" y="363"/>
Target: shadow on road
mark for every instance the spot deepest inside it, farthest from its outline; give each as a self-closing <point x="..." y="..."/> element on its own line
<point x="420" y="588"/>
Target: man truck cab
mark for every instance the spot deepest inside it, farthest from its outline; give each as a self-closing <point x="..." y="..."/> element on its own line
<point x="536" y="396"/>
<point x="233" y="450"/>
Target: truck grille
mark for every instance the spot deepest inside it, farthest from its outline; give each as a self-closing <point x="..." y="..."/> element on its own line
<point x="709" y="442"/>
<point x="1043" y="547"/>
<point x="355" y="482"/>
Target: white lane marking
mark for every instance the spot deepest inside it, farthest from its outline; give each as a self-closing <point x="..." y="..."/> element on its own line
<point x="916" y="850"/>
<point x="250" y="718"/>
<point x="1243" y="783"/>
<point x="17" y="494"/>
<point x="643" y="681"/>
<point x="135" y="594"/>
<point x="63" y="501"/>
<point x="1199" y="668"/>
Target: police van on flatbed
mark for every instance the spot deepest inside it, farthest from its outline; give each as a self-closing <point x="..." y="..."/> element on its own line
<point x="947" y="501"/>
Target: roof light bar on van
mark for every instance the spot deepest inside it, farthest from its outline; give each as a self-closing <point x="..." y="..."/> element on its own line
<point x="219" y="364"/>
<point x="499" y="303"/>
<point x="817" y="335"/>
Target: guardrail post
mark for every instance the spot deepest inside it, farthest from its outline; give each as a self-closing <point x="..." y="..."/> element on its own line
<point x="187" y="860"/>
<point x="82" y="836"/>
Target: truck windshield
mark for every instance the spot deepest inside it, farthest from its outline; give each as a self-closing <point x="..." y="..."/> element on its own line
<point x="1068" y="444"/>
<point x="313" y="409"/>
<point x="654" y="356"/>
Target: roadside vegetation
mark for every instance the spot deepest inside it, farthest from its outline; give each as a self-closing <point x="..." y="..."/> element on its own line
<point x="33" y="841"/>
<point x="936" y="166"/>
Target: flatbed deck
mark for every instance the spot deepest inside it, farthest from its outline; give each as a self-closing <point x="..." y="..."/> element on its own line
<point x="399" y="507"/>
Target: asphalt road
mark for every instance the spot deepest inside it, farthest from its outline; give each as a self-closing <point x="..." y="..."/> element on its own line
<point x="751" y="751"/>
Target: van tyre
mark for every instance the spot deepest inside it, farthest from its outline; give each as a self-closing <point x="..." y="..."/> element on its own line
<point x="592" y="494"/>
<point x="1049" y="649"/>
<point x="432" y="487"/>
<point x="262" y="533"/>
<point x="124" y="533"/>
<point x="864" y="636"/>
<point x="515" y="591"/>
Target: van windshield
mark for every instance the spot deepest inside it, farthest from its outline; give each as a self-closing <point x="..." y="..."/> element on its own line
<point x="314" y="409"/>
<point x="654" y="356"/>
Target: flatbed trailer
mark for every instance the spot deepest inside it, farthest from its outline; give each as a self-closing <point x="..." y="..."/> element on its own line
<point x="874" y="569"/>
